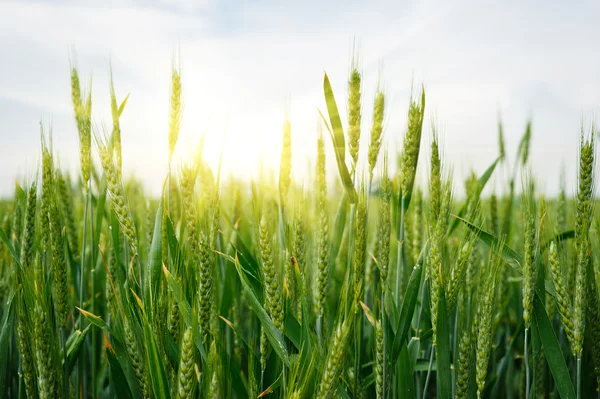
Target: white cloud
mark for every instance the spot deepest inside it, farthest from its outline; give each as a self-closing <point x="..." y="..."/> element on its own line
<point x="244" y="63"/>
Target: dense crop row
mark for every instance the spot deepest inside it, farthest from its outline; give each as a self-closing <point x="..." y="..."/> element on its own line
<point x="366" y="288"/>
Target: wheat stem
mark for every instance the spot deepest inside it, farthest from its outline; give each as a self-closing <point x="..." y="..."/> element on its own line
<point x="526" y="360"/>
<point x="578" y="376"/>
<point x="400" y="255"/>
<point x="429" y="368"/>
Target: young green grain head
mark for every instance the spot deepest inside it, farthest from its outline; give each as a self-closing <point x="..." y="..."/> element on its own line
<point x="593" y="321"/>
<point x="174" y="319"/>
<point x="215" y="372"/>
<point x="298" y="259"/>
<point x="494" y="214"/>
<point x="47" y="197"/>
<point x="459" y="270"/>
<point x="117" y="195"/>
<point x="15" y="225"/>
<point x="583" y="219"/>
<point x="530" y="249"/>
<point x="187" y="376"/>
<point x="563" y="299"/>
<point x="322" y="230"/>
<point x="526" y="143"/>
<point x="45" y="342"/>
<point x="205" y="289"/>
<point x="28" y="237"/>
<point x="384" y="229"/>
<point x="111" y="288"/>
<point x="435" y="181"/>
<point x="501" y="147"/>
<point x="175" y="114"/>
<point x="135" y="353"/>
<point x="484" y="316"/>
<point x="300" y="244"/>
<point x="354" y="114"/>
<point x="335" y="360"/>
<point x="359" y="250"/>
<point x="376" y="131"/>
<point x="66" y="208"/>
<point x="412" y="142"/>
<point x="26" y="348"/>
<point x="271" y="277"/>
<point x="379" y="359"/>
<point x="463" y="364"/>
<point x="417" y="225"/>
<point x="562" y="203"/>
<point x="83" y="112"/>
<point x="59" y="266"/>
<point x="272" y="292"/>
<point x="188" y="182"/>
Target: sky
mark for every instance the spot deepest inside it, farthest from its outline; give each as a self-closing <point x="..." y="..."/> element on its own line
<point x="248" y="65"/>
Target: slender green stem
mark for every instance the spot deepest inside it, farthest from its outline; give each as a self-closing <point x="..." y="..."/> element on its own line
<point x="526" y="358"/>
<point x="282" y="244"/>
<point x="281" y="225"/>
<point x="420" y="316"/>
<point x="509" y="367"/>
<point x="357" y="344"/>
<point x="284" y="386"/>
<point x="169" y="187"/>
<point x="429" y="370"/>
<point x="82" y="269"/>
<point x="320" y="330"/>
<point x="418" y="385"/>
<point x="350" y="252"/>
<point x="455" y="344"/>
<point x="63" y="343"/>
<point x="93" y="296"/>
<point x="80" y="365"/>
<point x="384" y="366"/>
<point x="399" y="260"/>
<point x="579" y="376"/>
<point x="369" y="287"/>
<point x="349" y="268"/>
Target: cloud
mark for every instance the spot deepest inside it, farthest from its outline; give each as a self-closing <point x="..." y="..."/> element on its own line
<point x="246" y="64"/>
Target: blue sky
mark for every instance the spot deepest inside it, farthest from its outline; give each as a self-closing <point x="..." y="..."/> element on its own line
<point x="248" y="64"/>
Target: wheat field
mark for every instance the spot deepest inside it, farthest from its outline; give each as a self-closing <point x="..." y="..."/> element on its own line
<point x="361" y="284"/>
